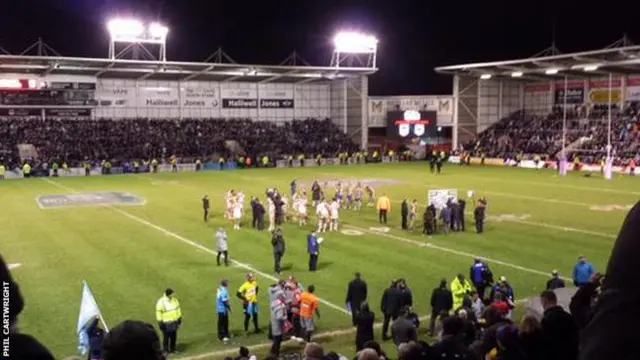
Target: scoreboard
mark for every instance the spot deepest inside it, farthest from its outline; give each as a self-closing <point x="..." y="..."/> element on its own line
<point x="411" y="124"/>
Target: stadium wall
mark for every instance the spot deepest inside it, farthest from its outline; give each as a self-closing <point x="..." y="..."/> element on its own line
<point x="277" y="102"/>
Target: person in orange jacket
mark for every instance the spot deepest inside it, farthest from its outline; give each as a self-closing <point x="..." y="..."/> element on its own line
<point x="384" y="207"/>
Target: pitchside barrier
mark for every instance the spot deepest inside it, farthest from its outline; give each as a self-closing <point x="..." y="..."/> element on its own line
<point x="210" y="166"/>
<point x="530" y="164"/>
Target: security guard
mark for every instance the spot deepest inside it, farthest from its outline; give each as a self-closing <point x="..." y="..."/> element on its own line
<point x="248" y="293"/>
<point x="169" y="319"/>
<point x="479" y="214"/>
<point x="26" y="170"/>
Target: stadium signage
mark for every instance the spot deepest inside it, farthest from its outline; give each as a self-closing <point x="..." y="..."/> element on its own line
<point x="193" y="97"/>
<point x="602" y="96"/>
<point x="633" y="93"/>
<point x="67" y="112"/>
<point x="158" y="97"/>
<point x="276" y="103"/>
<point x="239" y="103"/>
<point x="10" y="112"/>
<point x="575" y="95"/>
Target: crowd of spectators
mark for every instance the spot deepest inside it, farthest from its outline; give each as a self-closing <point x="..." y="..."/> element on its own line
<point x="530" y="135"/>
<point x="75" y="140"/>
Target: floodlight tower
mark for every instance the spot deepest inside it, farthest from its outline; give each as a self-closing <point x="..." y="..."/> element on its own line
<point x="354" y="47"/>
<point x="135" y="32"/>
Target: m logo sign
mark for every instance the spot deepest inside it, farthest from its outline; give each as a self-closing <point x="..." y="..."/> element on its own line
<point x="376" y="107"/>
<point x="444" y="106"/>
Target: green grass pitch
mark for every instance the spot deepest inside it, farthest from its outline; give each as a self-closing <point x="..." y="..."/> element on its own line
<point x="130" y="254"/>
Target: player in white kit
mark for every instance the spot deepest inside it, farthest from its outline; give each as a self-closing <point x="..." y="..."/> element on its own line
<point x="237" y="215"/>
<point x="334" y="212"/>
<point x="271" y="210"/>
<point x="322" y="210"/>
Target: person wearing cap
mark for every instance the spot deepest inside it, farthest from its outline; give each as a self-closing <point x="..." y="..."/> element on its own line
<point x="507" y="292"/>
<point x="555" y="282"/>
<point x="248" y="293"/>
<point x="582" y="272"/>
<point x="169" y="317"/>
<point x="224" y="308"/>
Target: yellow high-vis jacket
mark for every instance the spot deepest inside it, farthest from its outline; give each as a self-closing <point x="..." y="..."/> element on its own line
<point x="168" y="310"/>
<point x="459" y="291"/>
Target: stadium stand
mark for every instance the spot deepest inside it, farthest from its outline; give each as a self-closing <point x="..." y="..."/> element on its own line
<point x="75" y="140"/>
<point x="542" y="135"/>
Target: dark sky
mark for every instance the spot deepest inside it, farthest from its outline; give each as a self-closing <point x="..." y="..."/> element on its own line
<point x="415" y="36"/>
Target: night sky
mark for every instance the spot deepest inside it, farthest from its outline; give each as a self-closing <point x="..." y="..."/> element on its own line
<point x="415" y="36"/>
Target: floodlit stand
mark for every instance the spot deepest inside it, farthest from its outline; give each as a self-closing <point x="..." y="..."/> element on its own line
<point x="354" y="50"/>
<point x="136" y="35"/>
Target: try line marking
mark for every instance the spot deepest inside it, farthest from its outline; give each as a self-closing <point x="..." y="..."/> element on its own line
<point x="192" y="243"/>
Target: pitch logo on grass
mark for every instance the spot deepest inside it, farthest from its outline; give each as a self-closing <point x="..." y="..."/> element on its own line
<point x="88" y="199"/>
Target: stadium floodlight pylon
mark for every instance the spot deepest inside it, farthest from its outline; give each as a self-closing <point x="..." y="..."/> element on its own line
<point x="354" y="49"/>
<point x="135" y="32"/>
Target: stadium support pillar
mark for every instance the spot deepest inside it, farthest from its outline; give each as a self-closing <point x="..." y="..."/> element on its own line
<point x="364" y="129"/>
<point x="456" y="100"/>
<point x="500" y="99"/>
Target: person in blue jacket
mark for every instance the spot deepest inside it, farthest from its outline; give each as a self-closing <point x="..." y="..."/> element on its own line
<point x="313" y="248"/>
<point x="582" y="272"/>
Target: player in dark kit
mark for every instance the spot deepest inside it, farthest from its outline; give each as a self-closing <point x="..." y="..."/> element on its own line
<point x="205" y="207"/>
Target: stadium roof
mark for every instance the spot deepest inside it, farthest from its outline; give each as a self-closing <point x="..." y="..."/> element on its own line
<point x="623" y="60"/>
<point x="173" y="70"/>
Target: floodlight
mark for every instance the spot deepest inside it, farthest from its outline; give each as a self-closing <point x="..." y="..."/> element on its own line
<point x="485" y="76"/>
<point x="439" y="128"/>
<point x="591" y="68"/>
<point x="355" y="43"/>
<point x="551" y="71"/>
<point x="516" y="74"/>
<point x="125" y="28"/>
<point x="158" y="31"/>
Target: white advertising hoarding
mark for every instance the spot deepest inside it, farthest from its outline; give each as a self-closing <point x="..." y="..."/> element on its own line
<point x="158" y="97"/>
<point x="193" y="97"/>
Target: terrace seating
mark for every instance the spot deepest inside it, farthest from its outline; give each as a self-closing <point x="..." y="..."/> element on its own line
<point x="75" y="140"/>
<point x="542" y="135"/>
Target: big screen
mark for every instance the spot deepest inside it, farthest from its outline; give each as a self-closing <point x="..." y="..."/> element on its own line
<point x="411" y="124"/>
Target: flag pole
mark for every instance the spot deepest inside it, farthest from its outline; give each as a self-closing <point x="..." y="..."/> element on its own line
<point x="104" y="323"/>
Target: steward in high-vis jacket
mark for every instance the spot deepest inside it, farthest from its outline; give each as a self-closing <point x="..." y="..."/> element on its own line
<point x="460" y="288"/>
<point x="169" y="317"/>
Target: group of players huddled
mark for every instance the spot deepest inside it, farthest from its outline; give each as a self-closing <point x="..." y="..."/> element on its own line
<point x="347" y="195"/>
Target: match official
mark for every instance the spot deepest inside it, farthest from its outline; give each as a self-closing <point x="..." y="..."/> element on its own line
<point x="384" y="207"/>
<point x="169" y="317"/>
<point x="356" y="295"/>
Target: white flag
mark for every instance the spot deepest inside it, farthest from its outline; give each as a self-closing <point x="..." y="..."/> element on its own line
<point x="88" y="311"/>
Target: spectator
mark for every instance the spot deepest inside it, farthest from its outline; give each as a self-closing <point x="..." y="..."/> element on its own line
<point x="559" y="329"/>
<point x="376" y="346"/>
<point x="409" y="351"/>
<point x="531" y="339"/>
<point x="403" y="330"/>
<point x="582" y="272"/>
<point x="364" y="326"/>
<point x="22" y="346"/>
<point x="368" y="354"/>
<point x="441" y="304"/>
<point x="555" y="282"/>
<point x="132" y="340"/>
<point x="313" y="351"/>
<point x="451" y="345"/>
<point x="494" y="319"/>
<point x="243" y="353"/>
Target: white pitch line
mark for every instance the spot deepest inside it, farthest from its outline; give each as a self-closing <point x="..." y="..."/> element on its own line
<point x="192" y="243"/>
<point x="452" y="251"/>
